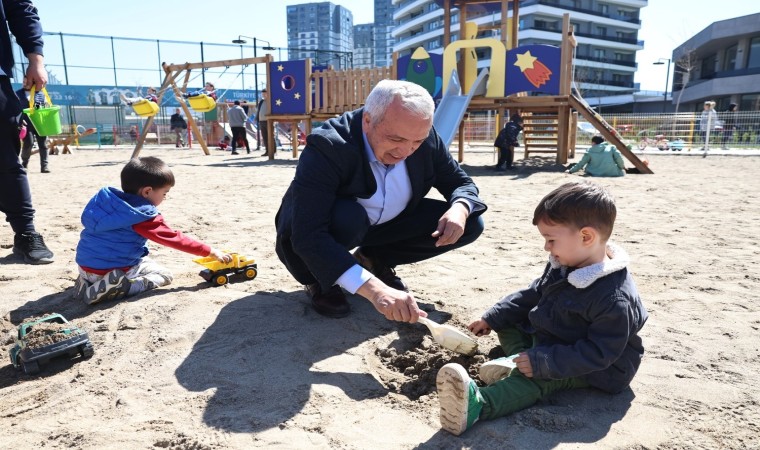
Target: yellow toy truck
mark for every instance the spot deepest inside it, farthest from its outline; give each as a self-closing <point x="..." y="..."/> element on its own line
<point x="219" y="273"/>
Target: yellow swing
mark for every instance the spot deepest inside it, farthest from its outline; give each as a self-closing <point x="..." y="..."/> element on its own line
<point x="145" y="108"/>
<point x="202" y="103"/>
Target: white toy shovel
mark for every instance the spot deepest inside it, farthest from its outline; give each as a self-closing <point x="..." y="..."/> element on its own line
<point x="450" y="338"/>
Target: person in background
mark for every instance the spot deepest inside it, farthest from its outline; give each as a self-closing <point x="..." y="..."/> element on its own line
<point x="262" y="111"/>
<point x="707" y="121"/>
<point x="729" y="125"/>
<point x="179" y="126"/>
<point x="111" y="255"/>
<point x="506" y="142"/>
<point x="21" y="17"/>
<point x="237" y="119"/>
<point x="576" y="326"/>
<point x="600" y="160"/>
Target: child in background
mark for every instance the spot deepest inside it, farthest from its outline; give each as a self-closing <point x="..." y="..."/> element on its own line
<point x="600" y="160"/>
<point x="150" y="96"/>
<point x="111" y="254"/>
<point x="576" y="326"/>
<point x="208" y="89"/>
<point x="224" y="143"/>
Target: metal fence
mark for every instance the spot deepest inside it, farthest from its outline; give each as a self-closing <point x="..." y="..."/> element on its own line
<point x="654" y="131"/>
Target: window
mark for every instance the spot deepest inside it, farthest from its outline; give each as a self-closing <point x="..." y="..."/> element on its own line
<point x="707" y="68"/>
<point x="729" y="62"/>
<point x="604" y="9"/>
<point x="749" y="102"/>
<point x="754" y="53"/>
<point x="601" y="31"/>
<point x="599" y="53"/>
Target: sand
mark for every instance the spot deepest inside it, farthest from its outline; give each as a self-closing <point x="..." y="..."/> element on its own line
<point x="251" y="365"/>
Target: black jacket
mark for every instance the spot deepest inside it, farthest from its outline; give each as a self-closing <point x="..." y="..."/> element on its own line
<point x="585" y="322"/>
<point x="334" y="165"/>
<point x="508" y="135"/>
<point x="21" y="16"/>
<point x="177" y="121"/>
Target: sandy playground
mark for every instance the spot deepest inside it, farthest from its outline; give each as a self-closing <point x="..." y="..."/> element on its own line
<point x="251" y="365"/>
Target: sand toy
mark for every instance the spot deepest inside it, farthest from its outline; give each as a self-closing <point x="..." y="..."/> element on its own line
<point x="219" y="273"/>
<point x="450" y="338"/>
<point x="40" y="340"/>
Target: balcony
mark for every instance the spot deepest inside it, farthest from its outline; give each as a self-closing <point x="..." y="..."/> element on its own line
<point x="553" y="4"/>
<point x="607" y="60"/>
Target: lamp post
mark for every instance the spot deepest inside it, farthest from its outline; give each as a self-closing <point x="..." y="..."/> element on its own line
<point x="241" y="41"/>
<point x="660" y="62"/>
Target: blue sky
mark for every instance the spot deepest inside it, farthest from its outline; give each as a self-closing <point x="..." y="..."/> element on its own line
<point x="665" y="25"/>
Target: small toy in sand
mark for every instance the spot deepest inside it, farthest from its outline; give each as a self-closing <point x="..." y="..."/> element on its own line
<point x="219" y="273"/>
<point x="41" y="339"/>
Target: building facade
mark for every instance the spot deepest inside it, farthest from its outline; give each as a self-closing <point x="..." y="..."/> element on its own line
<point x="364" y="46"/>
<point x="606" y="32"/>
<point x="720" y="63"/>
<point x="383" y="37"/>
<point x="321" y="31"/>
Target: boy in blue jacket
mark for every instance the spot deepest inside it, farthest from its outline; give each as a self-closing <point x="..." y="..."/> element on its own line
<point x="111" y="254"/>
<point x="574" y="327"/>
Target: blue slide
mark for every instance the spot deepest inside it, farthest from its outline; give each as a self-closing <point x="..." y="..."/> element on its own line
<point x="453" y="105"/>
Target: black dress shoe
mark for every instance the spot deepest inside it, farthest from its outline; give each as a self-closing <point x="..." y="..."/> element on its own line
<point x="383" y="273"/>
<point x="332" y="303"/>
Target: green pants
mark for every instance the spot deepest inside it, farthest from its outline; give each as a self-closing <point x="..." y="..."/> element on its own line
<point x="517" y="391"/>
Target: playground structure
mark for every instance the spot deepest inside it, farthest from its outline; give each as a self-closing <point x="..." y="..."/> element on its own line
<point x="299" y="93"/>
<point x="64" y="140"/>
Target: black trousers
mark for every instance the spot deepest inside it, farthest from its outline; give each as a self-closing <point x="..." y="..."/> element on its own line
<point x="264" y="132"/>
<point x="15" y="196"/>
<point x="28" y="143"/>
<point x="506" y="155"/>
<point x="403" y="240"/>
<point x="239" y="133"/>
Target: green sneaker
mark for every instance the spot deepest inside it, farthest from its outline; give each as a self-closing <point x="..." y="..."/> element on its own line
<point x="493" y="371"/>
<point x="460" y="398"/>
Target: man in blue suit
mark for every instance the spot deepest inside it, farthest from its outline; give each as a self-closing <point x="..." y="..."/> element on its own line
<point x="361" y="182"/>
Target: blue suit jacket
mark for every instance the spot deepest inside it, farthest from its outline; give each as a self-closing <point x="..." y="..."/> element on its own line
<point x="334" y="165"/>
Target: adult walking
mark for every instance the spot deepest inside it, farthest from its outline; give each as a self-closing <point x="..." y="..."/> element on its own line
<point x="179" y="126"/>
<point x="237" y="117"/>
<point x="361" y="182"/>
<point x="21" y="17"/>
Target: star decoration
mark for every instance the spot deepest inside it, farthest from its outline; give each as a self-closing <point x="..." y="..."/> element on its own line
<point x="278" y="102"/>
<point x="280" y="68"/>
<point x="297" y="96"/>
<point x="525" y="61"/>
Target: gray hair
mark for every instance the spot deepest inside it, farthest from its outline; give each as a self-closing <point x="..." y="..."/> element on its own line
<point x="413" y="97"/>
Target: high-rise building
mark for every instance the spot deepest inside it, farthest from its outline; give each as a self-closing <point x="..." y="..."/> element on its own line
<point x="364" y="49"/>
<point x="321" y="31"/>
<point x="383" y="37"/>
<point x="606" y="32"/>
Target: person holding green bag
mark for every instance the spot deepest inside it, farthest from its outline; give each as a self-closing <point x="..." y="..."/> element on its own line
<point x="20" y="16"/>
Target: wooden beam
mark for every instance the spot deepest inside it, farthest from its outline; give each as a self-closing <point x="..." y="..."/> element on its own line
<point x="222" y="63"/>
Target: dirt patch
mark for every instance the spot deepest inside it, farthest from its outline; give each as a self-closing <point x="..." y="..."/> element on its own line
<point x="416" y="359"/>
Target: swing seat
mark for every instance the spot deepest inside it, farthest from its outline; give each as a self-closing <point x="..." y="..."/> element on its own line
<point x="202" y="103"/>
<point x="145" y="108"/>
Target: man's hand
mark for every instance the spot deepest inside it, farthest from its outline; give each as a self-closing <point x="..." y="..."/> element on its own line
<point x="523" y="365"/>
<point x="451" y="225"/>
<point x="393" y="304"/>
<point x="479" y="327"/>
<point x="36" y="75"/>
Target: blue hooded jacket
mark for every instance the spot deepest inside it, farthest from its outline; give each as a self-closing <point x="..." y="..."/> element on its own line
<point x="108" y="240"/>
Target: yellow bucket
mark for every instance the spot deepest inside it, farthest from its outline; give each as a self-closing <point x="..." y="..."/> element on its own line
<point x="202" y="103"/>
<point x="46" y="119"/>
<point x="145" y="108"/>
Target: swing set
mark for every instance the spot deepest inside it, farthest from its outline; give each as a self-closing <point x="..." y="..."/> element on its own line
<point x="199" y="103"/>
